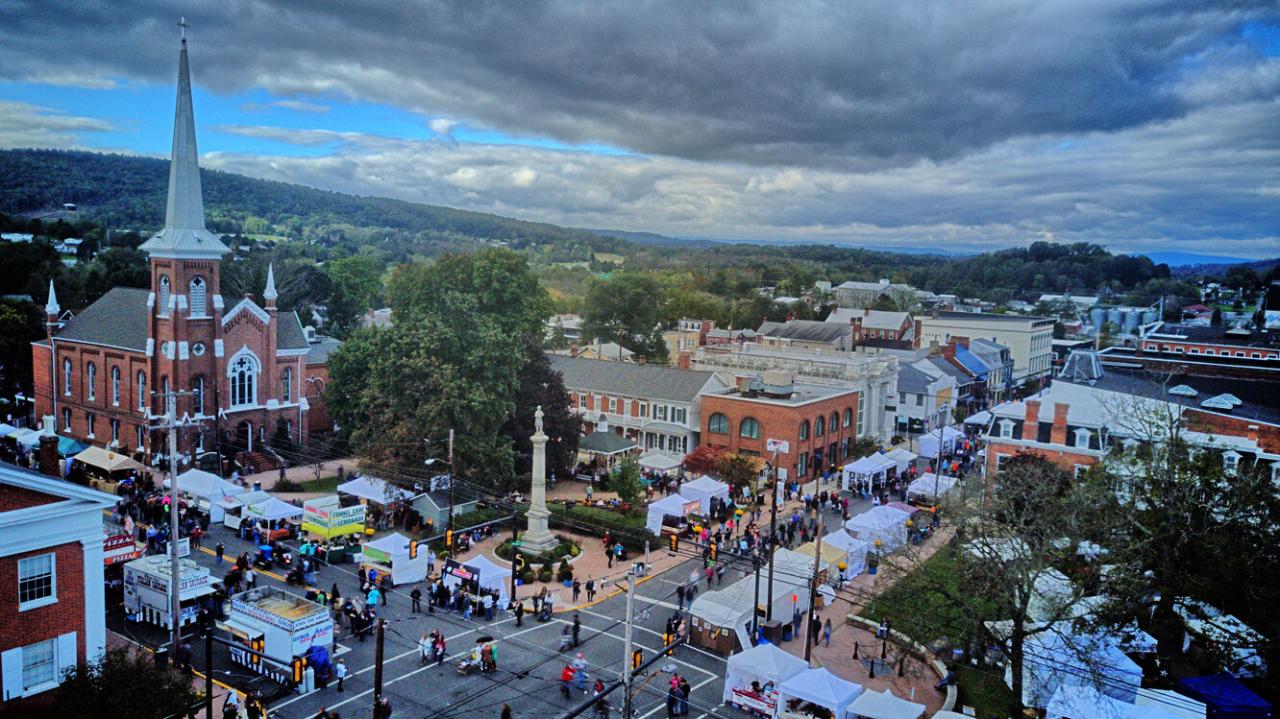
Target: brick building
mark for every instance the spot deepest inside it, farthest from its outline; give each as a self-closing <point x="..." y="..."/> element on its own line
<point x="817" y="423"/>
<point x="245" y="369"/>
<point x="1190" y="340"/>
<point x="52" y="614"/>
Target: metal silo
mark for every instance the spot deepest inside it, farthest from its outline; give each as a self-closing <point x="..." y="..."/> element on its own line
<point x="1148" y="316"/>
<point x="1097" y="316"/>
<point x="1115" y="316"/>
<point x="1131" y="319"/>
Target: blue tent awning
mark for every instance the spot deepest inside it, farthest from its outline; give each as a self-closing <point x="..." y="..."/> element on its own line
<point x="68" y="446"/>
<point x="1227" y="697"/>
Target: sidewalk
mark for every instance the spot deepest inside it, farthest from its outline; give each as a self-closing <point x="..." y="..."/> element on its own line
<point x="304" y="473"/>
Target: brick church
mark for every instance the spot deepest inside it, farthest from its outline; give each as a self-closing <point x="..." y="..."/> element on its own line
<point x="242" y="370"/>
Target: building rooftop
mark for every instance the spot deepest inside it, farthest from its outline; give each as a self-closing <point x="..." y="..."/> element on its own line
<point x="984" y="317"/>
<point x="116" y="319"/>
<point x="911" y="379"/>
<point x="805" y="331"/>
<point x="320" y="348"/>
<point x="871" y="319"/>
<point x="1214" y="335"/>
<point x="631" y="380"/>
<point x="800" y="394"/>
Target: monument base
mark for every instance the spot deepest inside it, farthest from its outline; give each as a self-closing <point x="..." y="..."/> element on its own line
<point x="532" y="542"/>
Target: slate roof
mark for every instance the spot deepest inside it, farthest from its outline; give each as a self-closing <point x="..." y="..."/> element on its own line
<point x="805" y="330"/>
<point x="116" y="319"/>
<point x="913" y="380"/>
<point x="605" y="443"/>
<point x="645" y="381"/>
<point x="960" y="376"/>
<point x="319" y="351"/>
<point x="289" y="334"/>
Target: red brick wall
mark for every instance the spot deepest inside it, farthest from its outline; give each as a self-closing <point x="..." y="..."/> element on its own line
<point x="781" y="422"/>
<point x="1064" y="458"/>
<point x="1206" y="348"/>
<point x="318" y="416"/>
<point x="12" y="498"/>
<point x="18" y="629"/>
<point x="1267" y="435"/>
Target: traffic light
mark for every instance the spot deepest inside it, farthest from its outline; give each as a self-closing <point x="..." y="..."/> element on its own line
<point x="637" y="658"/>
<point x="257" y="645"/>
<point x="448" y="540"/>
<point x="413" y="549"/>
<point x="675" y="542"/>
<point x="299" y="665"/>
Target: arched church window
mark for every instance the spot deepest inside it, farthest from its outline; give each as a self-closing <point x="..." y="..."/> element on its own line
<point x="197" y="395"/>
<point x="163" y="296"/>
<point x="115" y="385"/>
<point x="66" y="377"/>
<point x="286" y="385"/>
<point x="92" y="382"/>
<point x="243" y="373"/>
<point x="142" y="391"/>
<point x="197" y="296"/>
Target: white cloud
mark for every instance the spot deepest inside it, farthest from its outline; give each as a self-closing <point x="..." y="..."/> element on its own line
<point x="25" y="125"/>
<point x="442" y="126"/>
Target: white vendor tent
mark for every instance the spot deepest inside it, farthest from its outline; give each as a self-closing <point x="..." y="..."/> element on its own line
<point x="867" y="472"/>
<point x="1077" y="702"/>
<point x="489" y="574"/>
<point x="884" y="705"/>
<point x="107" y="460"/>
<point x="1050" y="592"/>
<point x="982" y="418"/>
<point x="887" y="524"/>
<point x="674" y="505"/>
<point x="208" y="487"/>
<point x="659" y="461"/>
<point x="374" y="490"/>
<point x="731" y="608"/>
<point x="855" y="551"/>
<point x="762" y="663"/>
<point x="1179" y="705"/>
<point x="823" y="688"/>
<point x="901" y="456"/>
<point x="928" y="485"/>
<point x="273" y="510"/>
<point x="1053" y="661"/>
<point x="703" y="489"/>
<point x="929" y="441"/>
<point x="393" y="551"/>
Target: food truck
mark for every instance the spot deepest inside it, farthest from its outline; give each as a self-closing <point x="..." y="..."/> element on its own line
<point x="146" y="589"/>
<point x="280" y="625"/>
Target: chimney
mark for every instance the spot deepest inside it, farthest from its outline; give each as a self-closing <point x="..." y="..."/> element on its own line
<point x="1031" y="421"/>
<point x="703" y="330"/>
<point x="949" y="351"/>
<point x="962" y="341"/>
<point x="856" y="324"/>
<point x="47" y="454"/>
<point x="916" y="342"/>
<point x="684" y="361"/>
<point x="1059" y="434"/>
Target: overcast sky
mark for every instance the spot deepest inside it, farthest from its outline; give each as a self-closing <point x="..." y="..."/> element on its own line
<point x="1144" y="125"/>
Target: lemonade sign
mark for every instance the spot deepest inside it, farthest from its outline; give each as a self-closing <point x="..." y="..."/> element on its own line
<point x="325" y="517"/>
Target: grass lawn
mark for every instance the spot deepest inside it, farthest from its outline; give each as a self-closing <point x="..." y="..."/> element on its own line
<point x="327" y="484"/>
<point x="914" y="607"/>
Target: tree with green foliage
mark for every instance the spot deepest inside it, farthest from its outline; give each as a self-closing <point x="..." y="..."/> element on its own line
<point x="456" y="356"/>
<point x="115" y="267"/>
<point x="625" y="480"/>
<point x="356" y="282"/>
<point x="21" y="323"/>
<point x="539" y="385"/>
<point x="628" y="308"/>
<point x="124" y="685"/>
<point x="736" y="470"/>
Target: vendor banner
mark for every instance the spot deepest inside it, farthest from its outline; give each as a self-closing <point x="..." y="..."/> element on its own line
<point x="331" y="521"/>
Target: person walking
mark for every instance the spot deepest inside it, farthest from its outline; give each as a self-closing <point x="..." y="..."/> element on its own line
<point x="250" y="578"/>
<point x="340" y="672"/>
<point x="218" y="551"/>
<point x="591" y="588"/>
<point x="826" y="633"/>
<point x="680" y="597"/>
<point x="577" y="589"/>
<point x="519" y="612"/>
<point x="416" y="598"/>
<point x="577" y="627"/>
<point x="579" y="673"/>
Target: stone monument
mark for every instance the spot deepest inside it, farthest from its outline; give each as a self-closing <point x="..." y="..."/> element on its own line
<point x="538" y="538"/>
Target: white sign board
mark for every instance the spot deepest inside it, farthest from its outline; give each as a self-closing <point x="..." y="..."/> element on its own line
<point x="777" y="445"/>
<point x="184" y="547"/>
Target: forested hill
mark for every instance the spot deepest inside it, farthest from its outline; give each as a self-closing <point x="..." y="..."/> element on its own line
<point x="128" y="192"/>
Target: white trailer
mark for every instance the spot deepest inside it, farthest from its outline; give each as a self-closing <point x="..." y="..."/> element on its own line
<point x="278" y="624"/>
<point x="146" y="589"/>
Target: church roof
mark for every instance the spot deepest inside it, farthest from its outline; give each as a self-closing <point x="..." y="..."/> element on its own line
<point x="116" y="319"/>
<point x="289" y="334"/>
<point x="184" y="234"/>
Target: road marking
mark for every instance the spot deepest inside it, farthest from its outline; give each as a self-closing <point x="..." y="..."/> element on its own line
<point x="663" y="704"/>
<point x="659" y="634"/>
<point x="677" y="661"/>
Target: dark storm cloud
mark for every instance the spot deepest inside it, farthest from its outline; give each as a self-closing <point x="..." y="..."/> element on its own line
<point x="844" y="85"/>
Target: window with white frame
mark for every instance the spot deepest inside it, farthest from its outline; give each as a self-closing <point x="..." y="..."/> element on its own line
<point x="804" y="429"/>
<point x="848" y="418"/>
<point x="37" y="581"/>
<point x="613" y="405"/>
<point x="91" y="419"/>
<point x="644" y="410"/>
<point x="115" y="386"/>
<point x="243" y="373"/>
<point x="1231" y="461"/>
<point x="140" y="437"/>
<point x="142" y="391"/>
<point x="286" y="385"/>
<point x="749" y="428"/>
<point x="91" y="374"/>
<point x="1082" y="438"/>
<point x="66" y="419"/>
<point x="862" y="414"/>
<point x="197" y="395"/>
<point x="39" y="664"/>
<point x="66" y="377"/>
<point x="819" y="426"/>
<point x="718" y="424"/>
<point x="1006" y="428"/>
<point x="679" y="415"/>
<point x="1000" y="460"/>
<point x="582" y="401"/>
<point x="115" y="431"/>
<point x="197" y="296"/>
<point x="660" y="412"/>
<point x="163" y="296"/>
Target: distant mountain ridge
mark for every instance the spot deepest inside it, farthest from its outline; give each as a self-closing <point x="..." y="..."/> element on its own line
<point x="1181" y="259"/>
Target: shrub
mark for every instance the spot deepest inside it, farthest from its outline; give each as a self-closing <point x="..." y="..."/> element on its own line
<point x="566" y="571"/>
<point x="544" y="575"/>
<point x="287" y="485"/>
<point x="526" y="575"/>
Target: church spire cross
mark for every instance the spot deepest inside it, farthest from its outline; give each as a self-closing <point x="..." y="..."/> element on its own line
<point x="182" y="23"/>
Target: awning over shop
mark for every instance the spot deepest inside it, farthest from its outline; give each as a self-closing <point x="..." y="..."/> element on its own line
<point x="68" y="447"/>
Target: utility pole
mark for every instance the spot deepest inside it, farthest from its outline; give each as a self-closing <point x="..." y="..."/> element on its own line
<point x="208" y="670"/>
<point x="452" y="477"/>
<point x="813" y="586"/>
<point x="627" y="678"/>
<point x="773" y="531"/>
<point x="175" y="603"/>
<point x="515" y="550"/>
<point x="755" y="606"/>
<point x="377" y="671"/>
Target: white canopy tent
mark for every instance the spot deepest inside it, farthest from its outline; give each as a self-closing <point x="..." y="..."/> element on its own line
<point x="274" y="510"/>
<point x="1053" y="660"/>
<point x="884" y="705"/>
<point x="887" y="524"/>
<point x="673" y="505"/>
<point x="374" y="490"/>
<point x="823" y="688"/>
<point x="208" y="487"/>
<point x="7" y="429"/>
<point x="981" y="418"/>
<point x="1077" y="702"/>
<point x="489" y="574"/>
<point x="901" y="456"/>
<point x="731" y="608"/>
<point x="703" y="489"/>
<point x="393" y="551"/>
<point x="929" y="441"/>
<point x="108" y="460"/>
<point x="657" y="460"/>
<point x="1050" y="592"/>
<point x="763" y="663"/>
<point x="27" y="438"/>
<point x="930" y="487"/>
<point x="235" y="507"/>
<point x="866" y="472"/>
<point x="855" y="551"/>
<point x="1179" y="705"/>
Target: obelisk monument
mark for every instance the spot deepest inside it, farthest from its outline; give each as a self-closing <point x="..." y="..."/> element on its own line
<point x="538" y="538"/>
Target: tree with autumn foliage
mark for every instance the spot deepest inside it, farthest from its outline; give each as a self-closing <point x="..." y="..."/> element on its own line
<point x="704" y="459"/>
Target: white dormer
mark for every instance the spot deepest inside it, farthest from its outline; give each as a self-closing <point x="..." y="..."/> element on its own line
<point x="1231" y="461"/>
